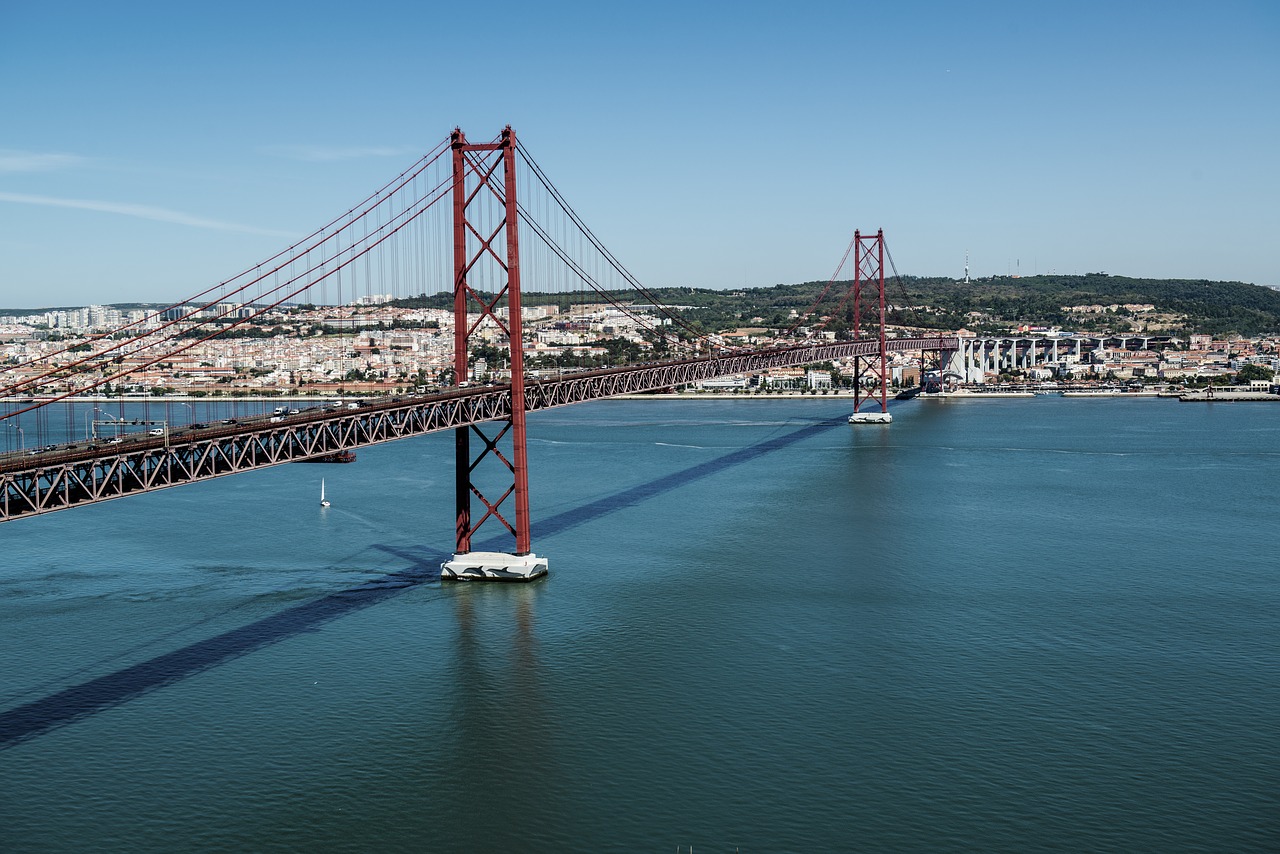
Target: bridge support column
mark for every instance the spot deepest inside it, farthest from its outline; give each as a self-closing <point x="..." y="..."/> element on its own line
<point x="955" y="364"/>
<point x="477" y="245"/>
<point x="868" y="266"/>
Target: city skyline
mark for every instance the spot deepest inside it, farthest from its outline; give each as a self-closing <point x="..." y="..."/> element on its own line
<point x="149" y="155"/>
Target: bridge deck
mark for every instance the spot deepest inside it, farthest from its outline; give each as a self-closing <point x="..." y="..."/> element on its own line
<point x="76" y="475"/>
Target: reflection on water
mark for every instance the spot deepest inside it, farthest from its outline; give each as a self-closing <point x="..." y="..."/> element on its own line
<point x="498" y="725"/>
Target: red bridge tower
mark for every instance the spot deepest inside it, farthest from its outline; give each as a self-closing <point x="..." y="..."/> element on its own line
<point x="868" y="270"/>
<point x="486" y="249"/>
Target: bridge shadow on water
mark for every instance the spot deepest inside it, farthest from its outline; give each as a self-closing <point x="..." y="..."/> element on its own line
<point x="86" y="699"/>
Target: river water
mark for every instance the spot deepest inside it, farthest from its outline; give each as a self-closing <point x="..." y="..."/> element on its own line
<point x="1006" y="626"/>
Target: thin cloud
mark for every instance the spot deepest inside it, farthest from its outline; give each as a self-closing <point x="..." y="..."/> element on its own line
<point x="139" y="211"/>
<point x="323" y="154"/>
<point x="35" y="161"/>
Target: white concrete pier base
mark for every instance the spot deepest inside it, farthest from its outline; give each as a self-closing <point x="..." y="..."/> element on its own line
<point x="493" y="566"/>
<point x="870" y="418"/>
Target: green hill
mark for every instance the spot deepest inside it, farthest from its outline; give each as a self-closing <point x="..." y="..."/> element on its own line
<point x="1181" y="306"/>
<point x="1188" y="305"/>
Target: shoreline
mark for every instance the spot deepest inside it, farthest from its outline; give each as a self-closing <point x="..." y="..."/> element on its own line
<point x="1194" y="396"/>
<point x="695" y="395"/>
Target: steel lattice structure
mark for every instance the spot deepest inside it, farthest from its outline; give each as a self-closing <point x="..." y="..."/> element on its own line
<point x="485" y="173"/>
<point x="868" y="271"/>
<point x="60" y="480"/>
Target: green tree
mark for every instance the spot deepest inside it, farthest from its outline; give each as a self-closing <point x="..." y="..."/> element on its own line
<point x="1249" y="373"/>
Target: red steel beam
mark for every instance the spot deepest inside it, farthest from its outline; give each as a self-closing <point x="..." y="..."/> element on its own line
<point x="482" y="171"/>
<point x="868" y="259"/>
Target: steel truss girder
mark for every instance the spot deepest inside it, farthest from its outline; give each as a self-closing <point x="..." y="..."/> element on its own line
<point x="33" y="486"/>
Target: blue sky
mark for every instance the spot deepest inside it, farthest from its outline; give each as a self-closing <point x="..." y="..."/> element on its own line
<point x="148" y="150"/>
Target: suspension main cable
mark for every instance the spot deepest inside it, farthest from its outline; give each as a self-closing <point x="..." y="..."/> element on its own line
<point x="843" y="258"/>
<point x="425" y="162"/>
<point x="485" y="170"/>
<point x="577" y="269"/>
<point x="182" y="349"/>
<point x="63" y="371"/>
<point x="600" y="247"/>
<point x="906" y="297"/>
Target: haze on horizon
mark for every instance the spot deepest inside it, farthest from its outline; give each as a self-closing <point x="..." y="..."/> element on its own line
<point x="151" y="151"/>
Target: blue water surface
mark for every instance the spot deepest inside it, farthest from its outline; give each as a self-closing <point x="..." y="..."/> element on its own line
<point x="1007" y="626"/>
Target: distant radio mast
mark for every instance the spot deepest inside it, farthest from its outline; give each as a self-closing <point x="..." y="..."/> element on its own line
<point x="966" y="266"/>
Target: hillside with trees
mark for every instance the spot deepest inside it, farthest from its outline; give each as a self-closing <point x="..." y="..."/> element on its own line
<point x="986" y="306"/>
<point x="991" y="305"/>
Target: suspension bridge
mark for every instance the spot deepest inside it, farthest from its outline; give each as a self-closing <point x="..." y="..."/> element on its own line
<point x="480" y="227"/>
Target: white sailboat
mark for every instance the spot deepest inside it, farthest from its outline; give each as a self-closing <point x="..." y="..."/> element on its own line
<point x="324" y="502"/>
